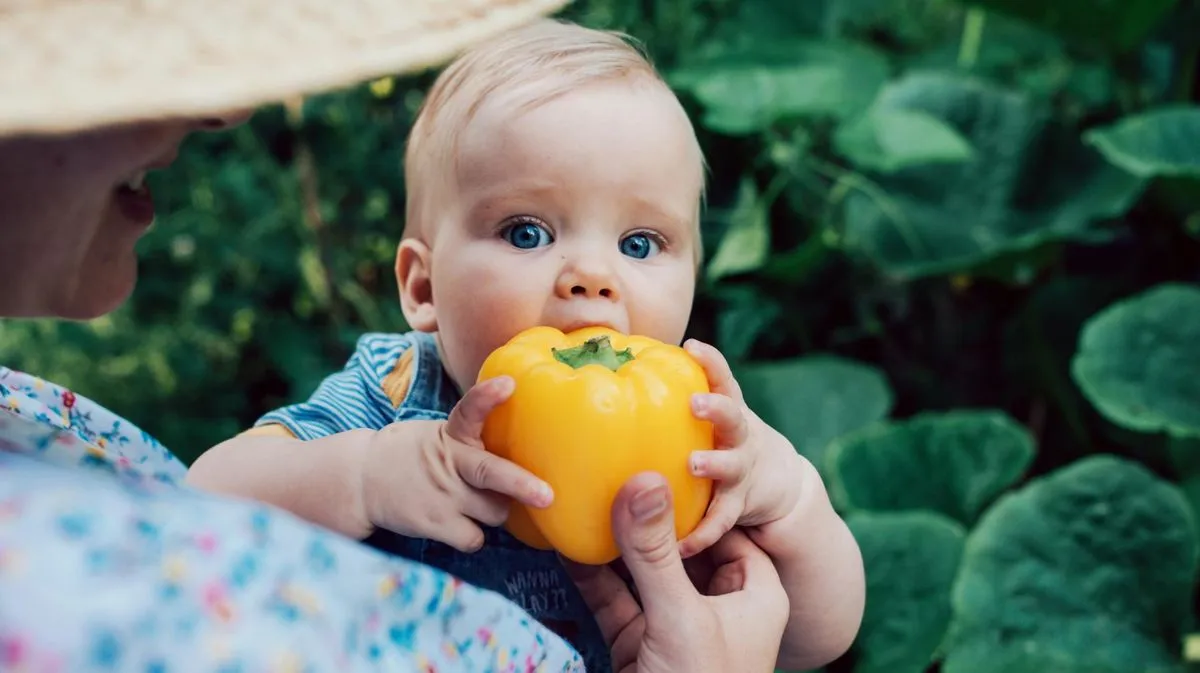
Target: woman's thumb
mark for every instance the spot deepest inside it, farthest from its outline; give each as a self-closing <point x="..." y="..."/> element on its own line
<point x="644" y="527"/>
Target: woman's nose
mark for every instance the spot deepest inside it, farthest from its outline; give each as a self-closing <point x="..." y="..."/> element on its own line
<point x="226" y="120"/>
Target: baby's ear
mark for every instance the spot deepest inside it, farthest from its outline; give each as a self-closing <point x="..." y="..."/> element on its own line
<point x="416" y="290"/>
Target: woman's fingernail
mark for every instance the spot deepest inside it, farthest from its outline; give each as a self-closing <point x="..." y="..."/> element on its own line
<point x="696" y="464"/>
<point x="504" y="385"/>
<point x="649" y="504"/>
<point x="699" y="403"/>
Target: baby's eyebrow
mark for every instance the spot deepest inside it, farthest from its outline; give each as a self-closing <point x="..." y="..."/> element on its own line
<point x="660" y="213"/>
<point x="505" y="197"/>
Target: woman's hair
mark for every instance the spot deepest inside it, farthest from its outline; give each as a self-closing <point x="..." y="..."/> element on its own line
<point x="520" y="69"/>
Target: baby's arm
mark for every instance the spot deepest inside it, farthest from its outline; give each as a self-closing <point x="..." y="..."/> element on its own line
<point x="420" y="478"/>
<point x="307" y="458"/>
<point x="821" y="567"/>
<point x="776" y="495"/>
<point x="319" y="480"/>
<point x="340" y="459"/>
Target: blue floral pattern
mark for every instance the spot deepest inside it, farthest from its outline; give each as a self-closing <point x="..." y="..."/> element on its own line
<point x="107" y="562"/>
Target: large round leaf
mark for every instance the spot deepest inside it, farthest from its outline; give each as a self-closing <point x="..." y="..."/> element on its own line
<point x="911" y="559"/>
<point x="814" y="399"/>
<point x="954" y="463"/>
<point x="1025" y="185"/>
<point x="886" y="140"/>
<point x="1139" y="361"/>
<point x="1162" y="142"/>
<point x="1087" y="570"/>
<point x="748" y="84"/>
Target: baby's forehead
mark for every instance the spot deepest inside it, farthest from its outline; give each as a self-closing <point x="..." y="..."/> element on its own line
<point x="492" y="88"/>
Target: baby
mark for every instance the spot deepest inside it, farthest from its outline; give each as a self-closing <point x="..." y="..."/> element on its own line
<point x="553" y="179"/>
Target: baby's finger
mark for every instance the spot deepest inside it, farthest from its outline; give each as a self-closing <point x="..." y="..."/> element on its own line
<point x="489" y="472"/>
<point x="728" y="419"/>
<point x="465" y="423"/>
<point x="721" y="517"/>
<point x="716" y="367"/>
<point x="489" y="509"/>
<point x="730" y="466"/>
<point x="461" y="533"/>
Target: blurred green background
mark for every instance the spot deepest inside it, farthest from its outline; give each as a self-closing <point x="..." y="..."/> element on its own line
<point x="954" y="250"/>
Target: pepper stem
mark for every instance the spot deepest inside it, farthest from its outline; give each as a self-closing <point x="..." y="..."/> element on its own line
<point x="595" y="351"/>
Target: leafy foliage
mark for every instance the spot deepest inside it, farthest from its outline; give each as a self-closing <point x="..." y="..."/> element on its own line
<point x="911" y="560"/>
<point x="1086" y="569"/>
<point x="953" y="463"/>
<point x="953" y="253"/>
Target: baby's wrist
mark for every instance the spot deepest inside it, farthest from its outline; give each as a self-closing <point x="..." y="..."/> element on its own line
<point x="781" y="536"/>
<point x="378" y="455"/>
<point x="363" y="455"/>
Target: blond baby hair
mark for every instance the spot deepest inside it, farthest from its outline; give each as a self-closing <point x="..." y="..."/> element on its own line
<point x="531" y="65"/>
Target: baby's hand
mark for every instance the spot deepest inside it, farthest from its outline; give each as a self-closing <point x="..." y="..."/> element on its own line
<point x="434" y="479"/>
<point x="756" y="469"/>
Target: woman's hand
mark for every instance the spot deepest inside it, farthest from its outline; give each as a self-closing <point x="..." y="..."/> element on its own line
<point x="736" y="624"/>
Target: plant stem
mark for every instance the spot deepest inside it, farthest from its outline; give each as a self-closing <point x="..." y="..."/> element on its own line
<point x="594" y="351"/>
<point x="972" y="37"/>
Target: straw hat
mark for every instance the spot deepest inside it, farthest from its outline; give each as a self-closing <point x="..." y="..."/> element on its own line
<point x="67" y="65"/>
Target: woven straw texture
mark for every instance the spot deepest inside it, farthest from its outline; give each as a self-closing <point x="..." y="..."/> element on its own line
<point x="67" y="65"/>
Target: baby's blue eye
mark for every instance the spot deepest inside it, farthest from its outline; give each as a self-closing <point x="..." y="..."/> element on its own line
<point x="526" y="235"/>
<point x="639" y="246"/>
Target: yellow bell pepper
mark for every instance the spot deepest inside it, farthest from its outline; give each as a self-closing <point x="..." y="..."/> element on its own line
<point x="591" y="409"/>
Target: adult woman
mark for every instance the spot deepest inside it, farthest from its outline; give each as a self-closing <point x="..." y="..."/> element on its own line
<point x="106" y="561"/>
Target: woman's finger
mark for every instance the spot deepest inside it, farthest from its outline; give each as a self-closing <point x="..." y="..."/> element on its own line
<point x="721" y="517"/>
<point x="643" y="523"/>
<point x="607" y="597"/>
<point x="726" y="415"/>
<point x="745" y="573"/>
<point x="728" y="465"/>
<point x="716" y="368"/>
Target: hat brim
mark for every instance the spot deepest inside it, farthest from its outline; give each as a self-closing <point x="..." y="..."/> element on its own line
<point x="72" y="65"/>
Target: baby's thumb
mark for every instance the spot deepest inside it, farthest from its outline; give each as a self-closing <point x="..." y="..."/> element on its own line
<point x="644" y="527"/>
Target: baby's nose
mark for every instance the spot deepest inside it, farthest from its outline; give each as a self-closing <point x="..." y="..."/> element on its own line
<point x="586" y="291"/>
<point x="587" y="282"/>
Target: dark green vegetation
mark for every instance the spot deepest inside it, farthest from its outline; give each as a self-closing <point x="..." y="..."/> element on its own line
<point x="954" y="250"/>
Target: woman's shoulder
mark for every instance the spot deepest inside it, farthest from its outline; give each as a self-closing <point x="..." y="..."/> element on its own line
<point x="63" y="427"/>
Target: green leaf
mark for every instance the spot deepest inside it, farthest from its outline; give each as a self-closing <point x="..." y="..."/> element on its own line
<point x="813" y="399"/>
<point x="1027" y="184"/>
<point x="1115" y="25"/>
<point x="887" y="140"/>
<point x="1139" y="361"/>
<point x="746" y="313"/>
<point x="747" y="87"/>
<point x="954" y="463"/>
<point x="911" y="560"/>
<point x="747" y="242"/>
<point x="1164" y="142"/>
<point x="1089" y="569"/>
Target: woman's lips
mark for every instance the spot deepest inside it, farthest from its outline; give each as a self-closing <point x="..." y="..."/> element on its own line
<point x="136" y="204"/>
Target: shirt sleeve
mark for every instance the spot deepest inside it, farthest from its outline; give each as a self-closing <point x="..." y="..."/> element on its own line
<point x="99" y="575"/>
<point x="351" y="399"/>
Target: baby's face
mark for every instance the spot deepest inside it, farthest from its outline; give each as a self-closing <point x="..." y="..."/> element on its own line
<point x="581" y="211"/>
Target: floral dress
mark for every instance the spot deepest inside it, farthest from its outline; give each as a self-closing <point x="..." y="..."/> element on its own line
<point x="109" y="563"/>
